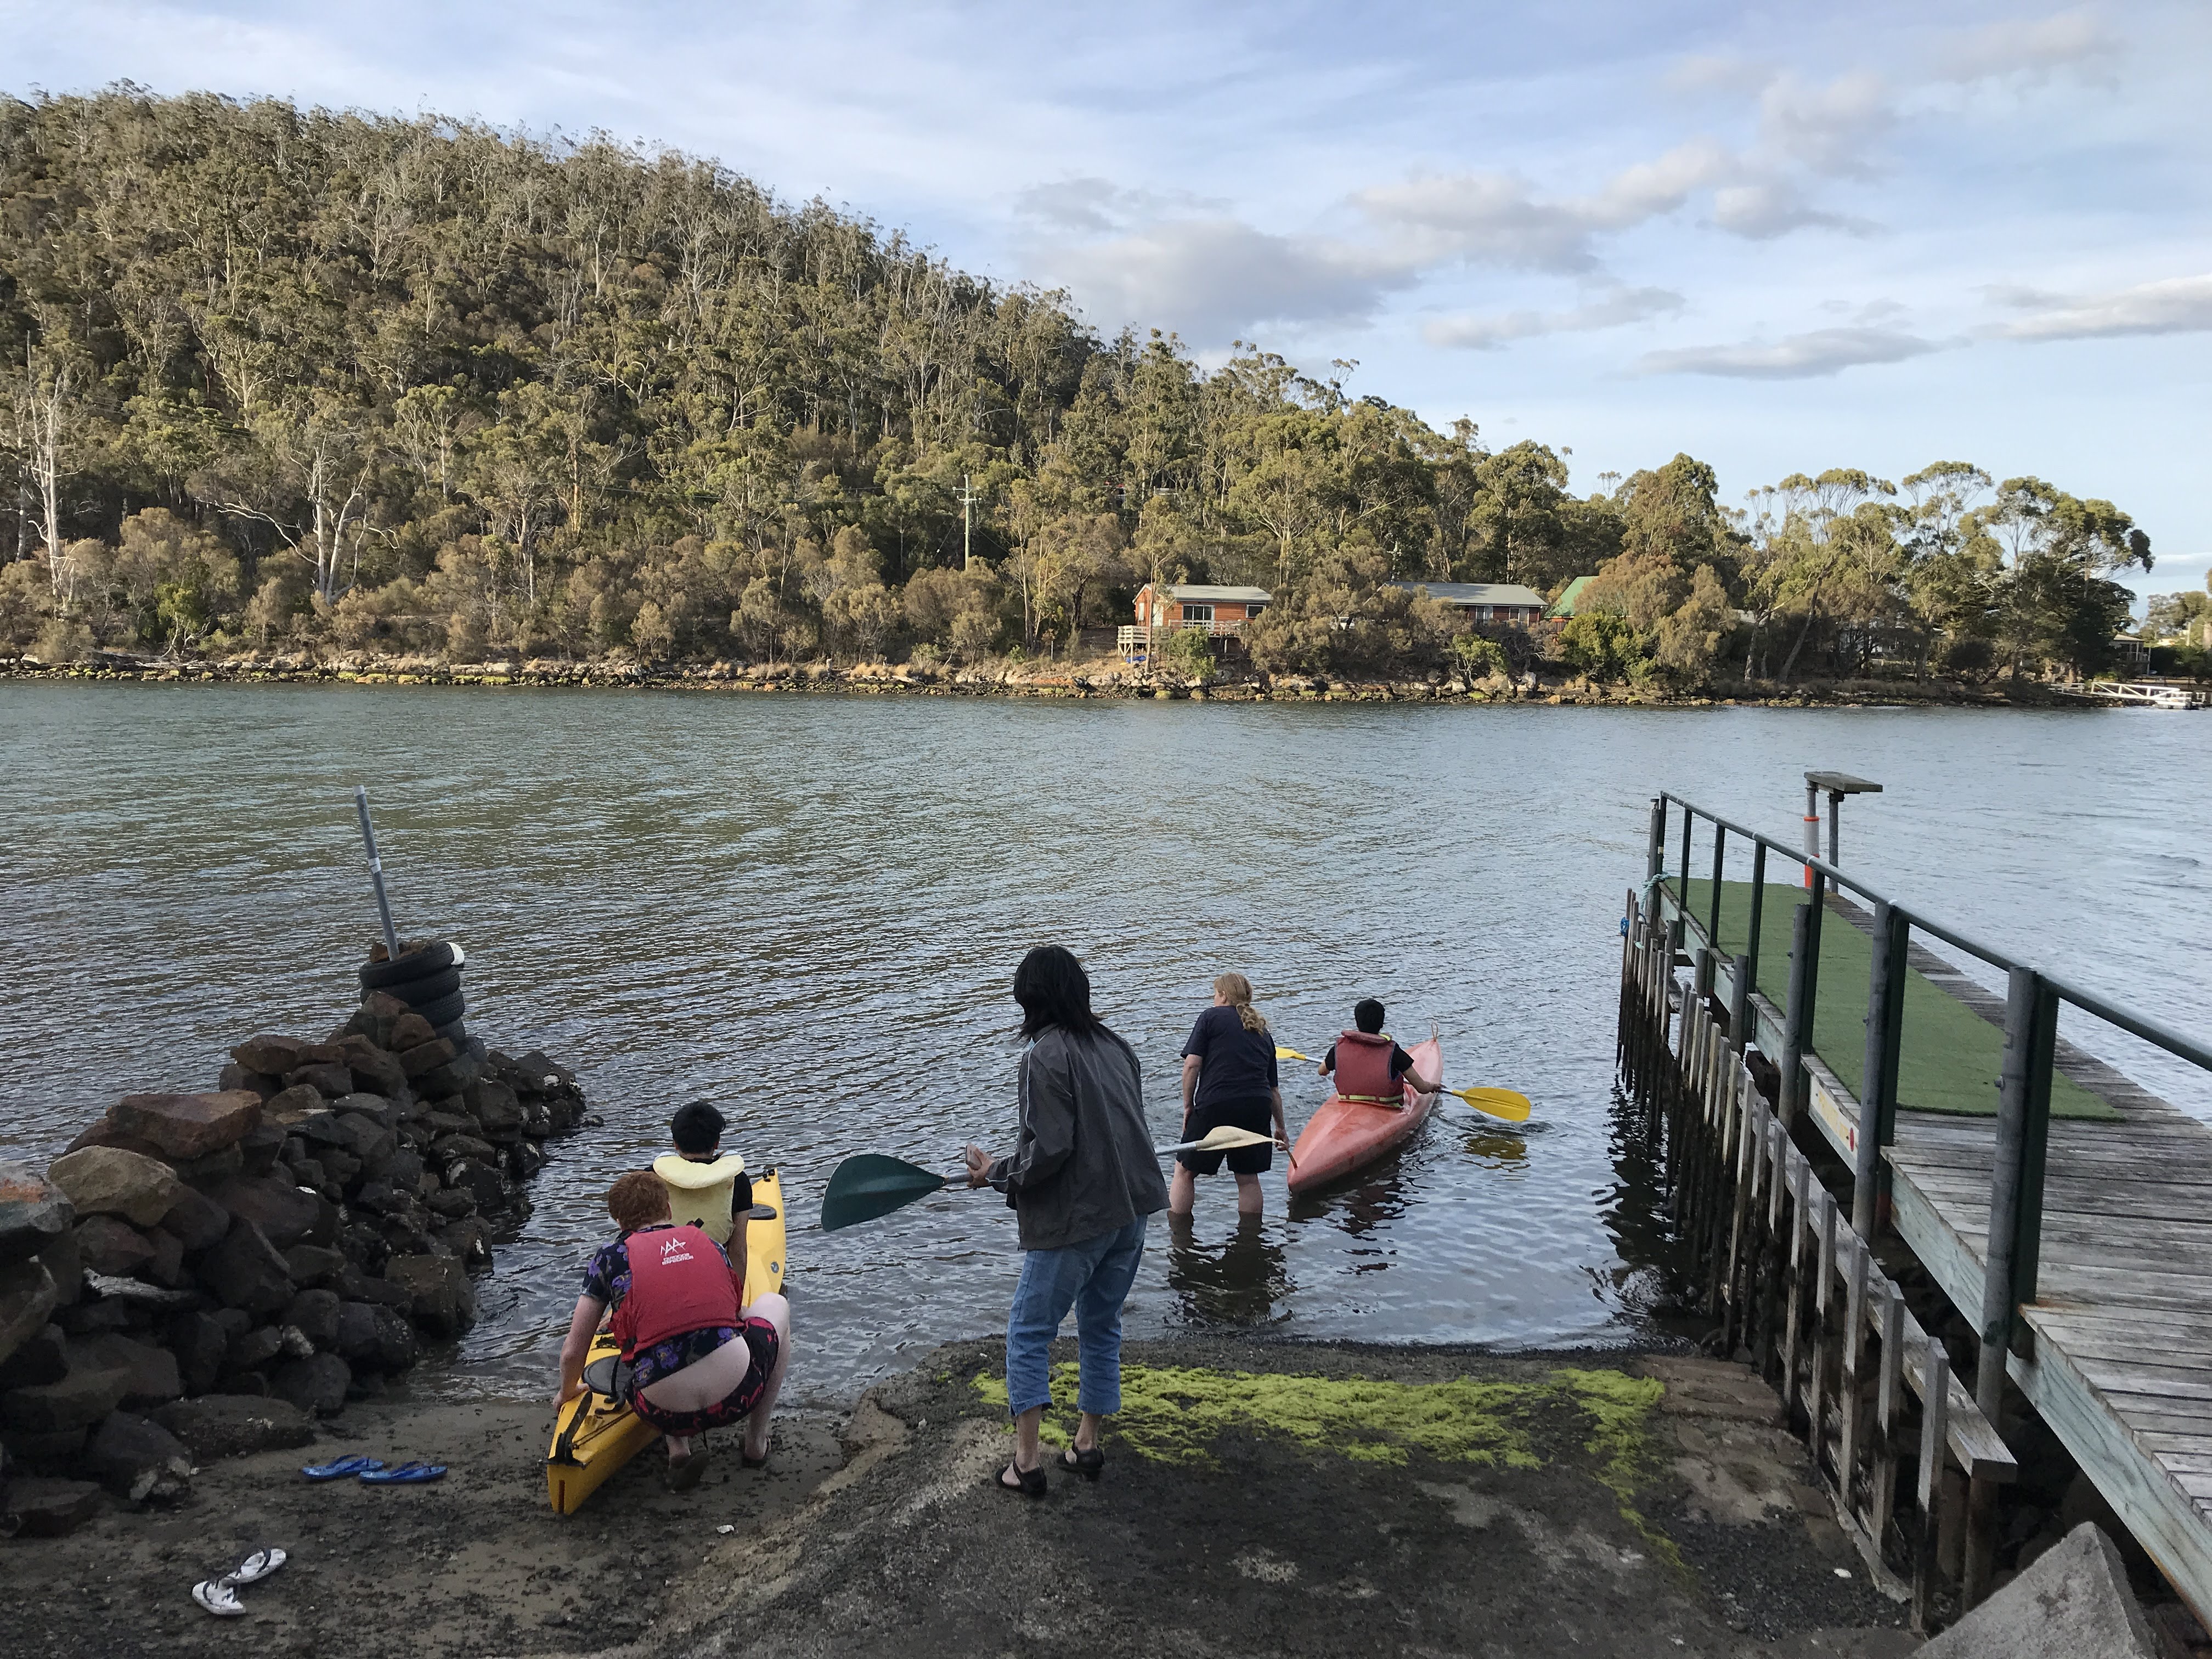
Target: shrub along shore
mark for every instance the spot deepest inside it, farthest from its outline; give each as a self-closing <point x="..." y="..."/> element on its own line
<point x="1106" y="678"/>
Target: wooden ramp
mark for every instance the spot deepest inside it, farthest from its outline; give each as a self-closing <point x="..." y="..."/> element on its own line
<point x="2116" y="1354"/>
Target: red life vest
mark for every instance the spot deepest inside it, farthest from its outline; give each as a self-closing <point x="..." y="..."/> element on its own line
<point x="678" y="1282"/>
<point x="1363" y="1069"/>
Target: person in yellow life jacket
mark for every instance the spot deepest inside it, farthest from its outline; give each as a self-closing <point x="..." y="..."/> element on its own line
<point x="705" y="1187"/>
<point x="1369" y="1066"/>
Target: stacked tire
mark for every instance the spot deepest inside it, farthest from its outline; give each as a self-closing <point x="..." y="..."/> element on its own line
<point x="427" y="977"/>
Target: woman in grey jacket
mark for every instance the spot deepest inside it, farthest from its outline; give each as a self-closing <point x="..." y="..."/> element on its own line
<point x="1082" y="1178"/>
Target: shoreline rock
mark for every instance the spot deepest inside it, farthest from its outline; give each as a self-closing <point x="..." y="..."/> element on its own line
<point x="1106" y="679"/>
<point x="297" y="1238"/>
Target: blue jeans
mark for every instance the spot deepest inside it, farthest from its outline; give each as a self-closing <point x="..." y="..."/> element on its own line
<point x="1094" y="1278"/>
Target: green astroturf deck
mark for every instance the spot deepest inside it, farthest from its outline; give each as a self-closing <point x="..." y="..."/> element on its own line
<point x="1950" y="1056"/>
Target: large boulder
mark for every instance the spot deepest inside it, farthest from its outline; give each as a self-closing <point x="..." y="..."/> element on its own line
<point x="373" y="1338"/>
<point x="285" y="1215"/>
<point x="152" y="1376"/>
<point x="197" y="1222"/>
<point x="137" y="1460"/>
<point x="314" y="1314"/>
<point x="259" y="1147"/>
<point x="441" y="1299"/>
<point x="375" y="1069"/>
<point x="2072" y="1603"/>
<point x="28" y="1295"/>
<point x="49" y="1509"/>
<point x="367" y="1140"/>
<point x="316" y="1385"/>
<point x="65" y="1267"/>
<point x="272" y="1056"/>
<point x="234" y="1425"/>
<point x="410" y="1030"/>
<point x="311" y="1265"/>
<point x="33" y="1212"/>
<point x="324" y="1077"/>
<point x="234" y="1076"/>
<point x="76" y="1400"/>
<point x="189" y="1125"/>
<point x="489" y="1188"/>
<point x="108" y="1181"/>
<point x="199" y="1343"/>
<point x="246" y="1271"/>
<point x="108" y="1244"/>
<point x="42" y="1356"/>
<point x="425" y="1058"/>
<point x="292" y="1107"/>
<point x="497" y="1107"/>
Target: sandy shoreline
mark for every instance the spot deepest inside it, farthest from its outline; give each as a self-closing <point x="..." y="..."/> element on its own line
<point x="878" y="1534"/>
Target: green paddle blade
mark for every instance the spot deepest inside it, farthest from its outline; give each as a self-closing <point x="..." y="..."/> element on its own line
<point x="867" y="1186"/>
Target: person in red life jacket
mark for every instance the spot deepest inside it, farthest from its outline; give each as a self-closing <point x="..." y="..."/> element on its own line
<point x="699" y="1361"/>
<point x="1369" y="1066"/>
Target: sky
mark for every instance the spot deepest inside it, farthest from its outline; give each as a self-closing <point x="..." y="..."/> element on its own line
<point x="1779" y="238"/>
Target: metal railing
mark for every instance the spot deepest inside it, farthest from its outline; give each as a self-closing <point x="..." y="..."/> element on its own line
<point x="1794" y="1283"/>
<point x="1132" y="640"/>
<point x="2033" y="998"/>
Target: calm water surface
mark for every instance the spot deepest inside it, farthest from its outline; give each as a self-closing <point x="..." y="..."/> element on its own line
<point x="810" y="909"/>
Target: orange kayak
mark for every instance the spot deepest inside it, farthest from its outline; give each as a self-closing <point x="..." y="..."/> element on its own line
<point x="1344" y="1136"/>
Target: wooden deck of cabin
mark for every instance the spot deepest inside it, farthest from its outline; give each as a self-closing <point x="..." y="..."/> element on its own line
<point x="2119" y="1364"/>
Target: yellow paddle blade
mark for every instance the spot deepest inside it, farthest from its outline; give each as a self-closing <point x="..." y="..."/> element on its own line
<point x="1292" y="1053"/>
<point x="1496" y="1102"/>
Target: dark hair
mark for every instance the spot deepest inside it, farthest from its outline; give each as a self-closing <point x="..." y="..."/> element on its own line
<point x="1367" y="1016"/>
<point x="1053" y="990"/>
<point x="638" y="1199"/>
<point x="697" y="1127"/>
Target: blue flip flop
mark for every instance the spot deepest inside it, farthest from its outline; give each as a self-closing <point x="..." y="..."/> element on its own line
<point x="407" y="1475"/>
<point x="341" y="1468"/>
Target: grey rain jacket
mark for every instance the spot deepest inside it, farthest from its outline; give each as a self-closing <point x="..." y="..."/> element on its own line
<point x="1085" y="1164"/>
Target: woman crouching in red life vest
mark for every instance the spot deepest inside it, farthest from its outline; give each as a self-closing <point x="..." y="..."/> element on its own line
<point x="699" y="1362"/>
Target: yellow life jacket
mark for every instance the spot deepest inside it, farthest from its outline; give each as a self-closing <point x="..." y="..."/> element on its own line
<point x="700" y="1194"/>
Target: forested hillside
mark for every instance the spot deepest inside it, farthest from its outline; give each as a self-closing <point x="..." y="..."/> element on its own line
<point x="339" y="381"/>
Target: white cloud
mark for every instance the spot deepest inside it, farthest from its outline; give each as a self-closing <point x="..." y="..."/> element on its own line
<point x="1215" y="277"/>
<point x="1762" y="210"/>
<point x="1623" y="306"/>
<point x="2179" y="305"/>
<point x="1827" y="128"/>
<point x="1794" y="357"/>
<point x="2070" y="40"/>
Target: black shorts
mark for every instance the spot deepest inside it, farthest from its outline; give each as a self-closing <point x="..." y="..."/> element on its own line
<point x="1257" y="1115"/>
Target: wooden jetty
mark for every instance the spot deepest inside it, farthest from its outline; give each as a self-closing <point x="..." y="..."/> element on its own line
<point x="2064" y="1213"/>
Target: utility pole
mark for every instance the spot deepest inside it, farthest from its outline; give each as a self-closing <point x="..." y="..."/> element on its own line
<point x="967" y="523"/>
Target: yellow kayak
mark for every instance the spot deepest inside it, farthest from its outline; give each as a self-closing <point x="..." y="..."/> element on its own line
<point x="596" y="1434"/>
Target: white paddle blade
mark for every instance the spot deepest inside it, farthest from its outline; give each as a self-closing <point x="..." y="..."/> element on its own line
<point x="1222" y="1139"/>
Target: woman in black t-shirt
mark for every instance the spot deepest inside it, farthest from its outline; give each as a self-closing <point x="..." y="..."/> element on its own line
<point x="1228" y="1078"/>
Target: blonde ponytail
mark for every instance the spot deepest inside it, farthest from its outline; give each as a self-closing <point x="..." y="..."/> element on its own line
<point x="1238" y="990"/>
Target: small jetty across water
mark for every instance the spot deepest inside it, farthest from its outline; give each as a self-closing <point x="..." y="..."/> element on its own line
<point x="1848" y="1122"/>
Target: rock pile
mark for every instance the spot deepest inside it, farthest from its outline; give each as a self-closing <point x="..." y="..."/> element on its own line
<point x="279" y="1244"/>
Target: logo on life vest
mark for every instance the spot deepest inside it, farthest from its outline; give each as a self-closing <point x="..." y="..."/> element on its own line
<point x="674" y="1250"/>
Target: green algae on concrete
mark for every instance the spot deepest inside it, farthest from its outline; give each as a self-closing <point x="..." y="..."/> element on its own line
<point x="1172" y="1414"/>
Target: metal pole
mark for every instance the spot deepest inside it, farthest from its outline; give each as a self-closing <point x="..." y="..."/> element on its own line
<point x="1758" y="915"/>
<point x="1878" y="1082"/>
<point x="1655" y="854"/>
<point x="1797" y="1017"/>
<point x="1740" y="1004"/>
<point x="1835" y="825"/>
<point x="1713" y="914"/>
<point x="1811" y="828"/>
<point x="376" y="873"/>
<point x="1682" y="892"/>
